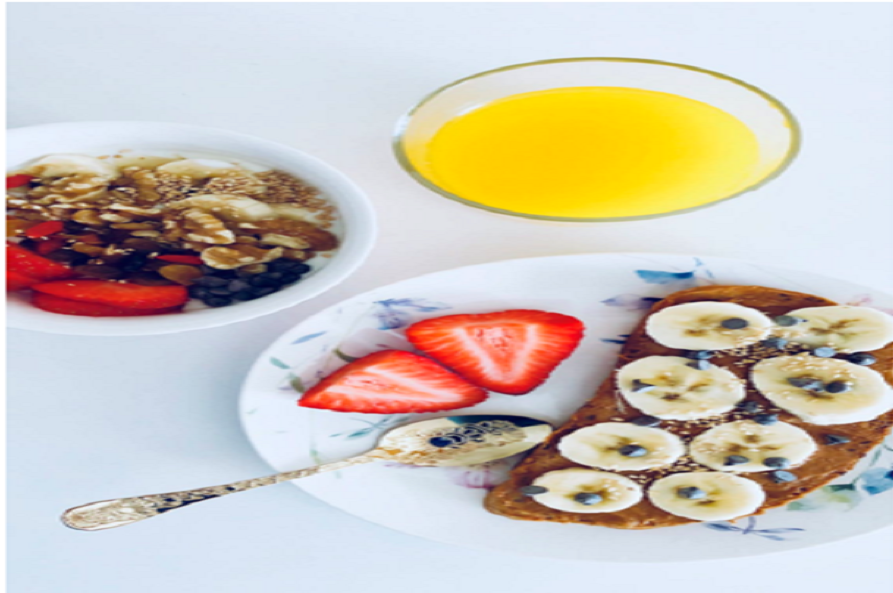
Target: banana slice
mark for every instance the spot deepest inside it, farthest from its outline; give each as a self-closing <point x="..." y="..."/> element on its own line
<point x="586" y="491"/>
<point x="667" y="387"/>
<point x="228" y="206"/>
<point x="844" y="328"/>
<point x="707" y="496"/>
<point x="746" y="446"/>
<point x="708" y="325"/>
<point x="197" y="168"/>
<point x="823" y="390"/>
<point x="622" y="446"/>
<point x="71" y="165"/>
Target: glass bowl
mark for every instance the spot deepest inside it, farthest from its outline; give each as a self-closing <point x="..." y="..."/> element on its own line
<point x="773" y="125"/>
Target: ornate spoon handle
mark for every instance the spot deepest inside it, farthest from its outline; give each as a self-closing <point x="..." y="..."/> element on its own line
<point x="106" y="514"/>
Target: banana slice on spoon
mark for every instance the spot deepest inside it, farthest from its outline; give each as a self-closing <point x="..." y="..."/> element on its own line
<point x="675" y="388"/>
<point x="708" y="325"/>
<point x="622" y="446"/>
<point x="748" y="446"/>
<point x="707" y="496"/>
<point x="584" y="491"/>
<point x="844" y="328"/>
<point x="823" y="390"/>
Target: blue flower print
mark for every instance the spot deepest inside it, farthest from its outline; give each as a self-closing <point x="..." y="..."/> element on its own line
<point x="750" y="529"/>
<point x="397" y="313"/>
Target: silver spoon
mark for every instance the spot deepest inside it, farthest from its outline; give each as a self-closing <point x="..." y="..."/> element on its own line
<point x="453" y="440"/>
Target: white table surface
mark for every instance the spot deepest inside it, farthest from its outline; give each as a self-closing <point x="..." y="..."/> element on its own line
<point x="94" y="418"/>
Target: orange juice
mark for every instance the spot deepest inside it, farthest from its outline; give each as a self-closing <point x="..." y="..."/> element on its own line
<point x="591" y="152"/>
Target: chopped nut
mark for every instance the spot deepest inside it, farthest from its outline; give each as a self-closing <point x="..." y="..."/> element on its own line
<point x="181" y="274"/>
<point x="91" y="250"/>
<point x="296" y="254"/>
<point x="284" y="241"/>
<point x="134" y="226"/>
<point x="146" y="234"/>
<point x="89" y="217"/>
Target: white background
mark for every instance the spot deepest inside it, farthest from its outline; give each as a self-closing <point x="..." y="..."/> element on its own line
<point x="94" y="418"/>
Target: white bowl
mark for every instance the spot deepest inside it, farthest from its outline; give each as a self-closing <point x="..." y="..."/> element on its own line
<point x="98" y="138"/>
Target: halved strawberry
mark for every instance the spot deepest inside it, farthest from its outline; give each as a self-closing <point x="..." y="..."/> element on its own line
<point x="392" y="382"/>
<point x="174" y="258"/>
<point x="49" y="245"/>
<point x="23" y="261"/>
<point x="508" y="352"/>
<point x="18" y="281"/>
<point x="117" y="294"/>
<point x="55" y="304"/>
<point x="17" y="180"/>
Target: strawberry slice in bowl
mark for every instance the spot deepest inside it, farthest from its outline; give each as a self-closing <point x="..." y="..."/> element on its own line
<point x="510" y="352"/>
<point x="392" y="382"/>
<point x="54" y="304"/>
<point x="116" y="294"/>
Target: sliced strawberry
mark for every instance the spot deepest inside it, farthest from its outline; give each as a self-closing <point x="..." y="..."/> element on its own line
<point x="23" y="261"/>
<point x="49" y="245"/>
<point x="45" y="229"/>
<point x="192" y="260"/>
<point x="117" y="294"/>
<point x="18" y="281"/>
<point x="392" y="382"/>
<point x="17" y="180"/>
<point x="508" y="352"/>
<point x="55" y="304"/>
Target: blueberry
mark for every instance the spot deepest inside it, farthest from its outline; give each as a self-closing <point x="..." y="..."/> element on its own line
<point x="777" y="462"/>
<point x="74" y="228"/>
<point x="244" y="295"/>
<point x="863" y="358"/>
<point x="266" y="280"/>
<point x="788" y="320"/>
<point x="806" y="383"/>
<point x="288" y="265"/>
<point x="701" y="365"/>
<point x="836" y="439"/>
<point x="263" y="291"/>
<point x="748" y="406"/>
<point x="700" y="354"/>
<point x="838" y="387"/>
<point x="588" y="498"/>
<point x="69" y="256"/>
<point x="220" y="291"/>
<point x="781" y="476"/>
<point x="132" y="262"/>
<point x="774" y="342"/>
<point x="289" y="278"/>
<point x="734" y="323"/>
<point x="217" y="301"/>
<point x="766" y="419"/>
<point x="211" y="281"/>
<point x="633" y="451"/>
<point x="646" y="421"/>
<point x="441" y="442"/>
<point x="691" y="493"/>
<point x="198" y="292"/>
<point x="531" y="490"/>
<point x="237" y="285"/>
<point x="736" y="460"/>
<point x="642" y="386"/>
<point x="824" y="352"/>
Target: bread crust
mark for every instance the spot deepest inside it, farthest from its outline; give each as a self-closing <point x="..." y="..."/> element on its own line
<point x="829" y="462"/>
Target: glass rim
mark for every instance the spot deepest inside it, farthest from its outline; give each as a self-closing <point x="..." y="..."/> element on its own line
<point x="404" y="121"/>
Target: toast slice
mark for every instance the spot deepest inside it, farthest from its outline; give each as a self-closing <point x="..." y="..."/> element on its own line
<point x="826" y="464"/>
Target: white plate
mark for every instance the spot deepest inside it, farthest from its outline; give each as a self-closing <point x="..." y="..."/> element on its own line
<point x="609" y="292"/>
